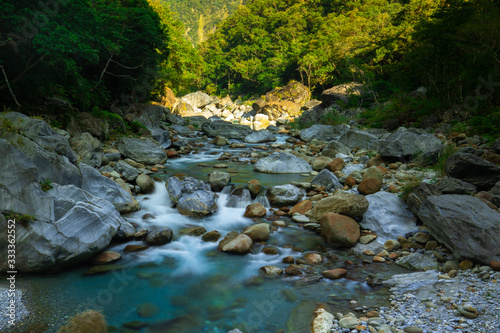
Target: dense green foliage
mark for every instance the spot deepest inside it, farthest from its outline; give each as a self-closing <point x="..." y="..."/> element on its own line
<point x="201" y="16"/>
<point x="86" y="51"/>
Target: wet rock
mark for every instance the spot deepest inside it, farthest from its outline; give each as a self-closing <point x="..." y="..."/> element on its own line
<point x="218" y="180"/>
<point x="142" y="151"/>
<point x="145" y="183"/>
<point x="466" y="225"/>
<point x="327" y="179"/>
<point x="349" y="204"/>
<point x="211" y="236"/>
<point x="105" y="258"/>
<point x="258" y="232"/>
<point x="284" y="195"/>
<point x="388" y="216"/>
<point x="370" y="186"/>
<point x="191" y="196"/>
<point x="339" y="230"/>
<point x="282" y="163"/>
<point x="254" y="187"/>
<point x="135" y="248"/>
<point x="255" y="210"/>
<point x="271" y="271"/>
<point x="260" y="136"/>
<point x="300" y="218"/>
<point x="404" y="145"/>
<point x="313" y="258"/>
<point x="473" y="169"/>
<point x="125" y="232"/>
<point x="159" y="236"/>
<point x="194" y="231"/>
<point x="236" y="244"/>
<point x="323" y="321"/>
<point x="301" y="208"/>
<point x="334" y="274"/>
<point x="418" y="261"/>
<point x="270" y="250"/>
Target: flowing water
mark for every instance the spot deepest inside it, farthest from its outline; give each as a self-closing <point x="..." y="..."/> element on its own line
<point x="188" y="286"/>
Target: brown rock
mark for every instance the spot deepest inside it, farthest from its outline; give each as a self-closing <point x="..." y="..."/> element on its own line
<point x="254" y="187"/>
<point x="135" y="248"/>
<point x="375" y="161"/>
<point x="239" y="244"/>
<point x="211" y="236"/>
<point x="336" y="273"/>
<point x="350" y="181"/>
<point x="293" y="270"/>
<point x="466" y="264"/>
<point x="313" y="258"/>
<point x="349" y="204"/>
<point x="171" y="154"/>
<point x="336" y="165"/>
<point x="301" y="208"/>
<point x="370" y="186"/>
<point x="255" y="210"/>
<point x="105" y="257"/>
<point x="495" y="265"/>
<point x="288" y="260"/>
<point x="339" y="230"/>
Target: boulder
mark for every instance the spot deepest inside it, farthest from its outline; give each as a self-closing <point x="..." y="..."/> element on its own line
<point x="254" y="187"/>
<point x="418" y="261"/>
<point x="370" y="186"/>
<point x="218" y="180"/>
<point x="333" y="148"/>
<point x="388" y="216"/>
<point x="342" y="92"/>
<point x="105" y="188"/>
<point x="419" y="194"/>
<point x="191" y="196"/>
<point x="282" y="163"/>
<point x="327" y="179"/>
<point x="258" y="232"/>
<point x="404" y="145"/>
<point x="449" y="185"/>
<point x="151" y="116"/>
<point x="335" y="165"/>
<point x="226" y="129"/>
<point x="159" y="236"/>
<point x="197" y="99"/>
<point x="321" y="162"/>
<point x="211" y="236"/>
<point x="323" y="132"/>
<point x="126" y="232"/>
<point x="473" y="169"/>
<point x="465" y="224"/>
<point x="260" y="136"/>
<point x="88" y="149"/>
<point x="20" y="189"/>
<point x="236" y="244"/>
<point x="82" y="225"/>
<point x="145" y="183"/>
<point x="339" y="230"/>
<point x="184" y="109"/>
<point x="142" y="151"/>
<point x="323" y="321"/>
<point x="271" y="271"/>
<point x="182" y="130"/>
<point x="293" y="92"/>
<point x="302" y="207"/>
<point x="284" y="195"/>
<point x="350" y="204"/>
<point x="360" y="139"/>
<point x="334" y="274"/>
<point x="284" y="109"/>
<point x="255" y="210"/>
<point x="127" y="171"/>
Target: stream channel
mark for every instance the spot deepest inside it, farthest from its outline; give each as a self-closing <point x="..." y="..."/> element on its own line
<point x="189" y="286"/>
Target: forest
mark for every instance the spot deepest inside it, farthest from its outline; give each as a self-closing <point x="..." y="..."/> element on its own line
<point x="94" y="53"/>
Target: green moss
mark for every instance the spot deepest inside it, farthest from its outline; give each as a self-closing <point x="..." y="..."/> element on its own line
<point x="19" y="218"/>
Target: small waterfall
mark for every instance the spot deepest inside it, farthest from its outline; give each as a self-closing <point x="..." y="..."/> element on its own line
<point x="239" y="198"/>
<point x="262" y="199"/>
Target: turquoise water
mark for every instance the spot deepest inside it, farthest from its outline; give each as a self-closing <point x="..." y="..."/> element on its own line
<point x="188" y="286"/>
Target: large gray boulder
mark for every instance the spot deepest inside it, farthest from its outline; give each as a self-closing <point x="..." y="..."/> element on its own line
<point x="323" y="132"/>
<point x="104" y="188"/>
<point x="198" y="99"/>
<point x="342" y="92"/>
<point x="465" y="224"/>
<point x="349" y="204"/>
<point x="20" y="189"/>
<point x="333" y="148"/>
<point x="49" y="151"/>
<point x="450" y="185"/>
<point x="88" y="149"/>
<point x="282" y="163"/>
<point x="142" y="151"/>
<point x="284" y="195"/>
<point x="388" y="216"/>
<point x="327" y="179"/>
<point x="84" y="225"/>
<point x="473" y="169"/>
<point x="226" y="129"/>
<point x="218" y="180"/>
<point x="417" y="197"/>
<point x="152" y="115"/>
<point x="128" y="172"/>
<point x="191" y="196"/>
<point x="360" y="139"/>
<point x="260" y="136"/>
<point x="404" y="145"/>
